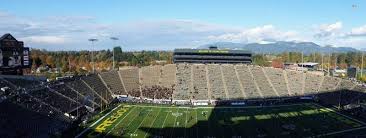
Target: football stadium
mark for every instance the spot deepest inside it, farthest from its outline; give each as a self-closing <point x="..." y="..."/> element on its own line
<point x="182" y="69"/>
<point x="184" y="100"/>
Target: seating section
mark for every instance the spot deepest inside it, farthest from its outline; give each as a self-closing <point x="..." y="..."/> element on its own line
<point x="113" y="82"/>
<point x="216" y="83"/>
<point x="150" y="80"/>
<point x="329" y="84"/>
<point x="232" y="82"/>
<point x="262" y="82"/>
<point x="94" y="82"/>
<point x="85" y="91"/>
<point x="184" y="84"/>
<point x="66" y="91"/>
<point x="346" y="85"/>
<point x="18" y="121"/>
<point x="247" y="81"/>
<point x="295" y="80"/>
<point x="277" y="79"/>
<point x="24" y="83"/>
<point x="312" y="83"/>
<point x="55" y="100"/>
<point x="131" y="82"/>
<point x="200" y="90"/>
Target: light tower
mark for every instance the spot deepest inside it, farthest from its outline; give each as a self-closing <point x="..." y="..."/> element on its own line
<point x="92" y="40"/>
<point x="114" y="39"/>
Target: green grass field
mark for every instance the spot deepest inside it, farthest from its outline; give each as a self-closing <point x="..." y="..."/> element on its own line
<point x="169" y="121"/>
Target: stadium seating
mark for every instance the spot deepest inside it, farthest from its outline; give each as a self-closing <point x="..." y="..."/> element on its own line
<point x="85" y="91"/>
<point x="183" y="89"/>
<point x="200" y="90"/>
<point x="216" y="83"/>
<point x="18" y="121"/>
<point x="131" y="82"/>
<point x="114" y="83"/>
<point x="66" y="91"/>
<point x="96" y="83"/>
<point x="329" y="84"/>
<point x="277" y="79"/>
<point x="54" y="99"/>
<point x="346" y="85"/>
<point x="248" y="82"/>
<point x="24" y="83"/>
<point x="149" y="77"/>
<point x="296" y="82"/>
<point x="262" y="82"/>
<point x="231" y="81"/>
<point x="312" y="83"/>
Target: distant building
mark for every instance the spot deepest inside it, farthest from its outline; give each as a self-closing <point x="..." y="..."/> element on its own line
<point x="309" y="65"/>
<point x="14" y="57"/>
<point x="211" y="55"/>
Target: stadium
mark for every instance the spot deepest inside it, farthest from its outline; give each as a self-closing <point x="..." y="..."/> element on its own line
<point x="184" y="100"/>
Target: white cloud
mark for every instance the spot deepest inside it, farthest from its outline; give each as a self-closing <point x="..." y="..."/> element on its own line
<point x="360" y="31"/>
<point x="45" y="39"/>
<point x="328" y="30"/>
<point x="257" y="34"/>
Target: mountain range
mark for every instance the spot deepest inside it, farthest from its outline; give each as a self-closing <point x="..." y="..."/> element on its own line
<point x="281" y="46"/>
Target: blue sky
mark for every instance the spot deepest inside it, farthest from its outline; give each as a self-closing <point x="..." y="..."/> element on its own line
<point x="165" y="25"/>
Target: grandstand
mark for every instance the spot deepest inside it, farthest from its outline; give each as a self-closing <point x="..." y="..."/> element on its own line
<point x="59" y="104"/>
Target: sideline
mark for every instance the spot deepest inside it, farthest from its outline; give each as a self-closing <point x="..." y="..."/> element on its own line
<point x="96" y="122"/>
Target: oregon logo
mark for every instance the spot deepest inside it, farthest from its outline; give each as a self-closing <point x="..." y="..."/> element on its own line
<point x="109" y="121"/>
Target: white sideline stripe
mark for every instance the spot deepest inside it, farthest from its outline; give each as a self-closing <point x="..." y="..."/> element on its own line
<point x="224" y="107"/>
<point x="363" y="123"/>
<point x="153" y="121"/>
<point x="119" y="122"/>
<point x="92" y="125"/>
<point x="175" y="122"/>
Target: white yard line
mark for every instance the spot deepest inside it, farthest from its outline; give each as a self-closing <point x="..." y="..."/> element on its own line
<point x="153" y="122"/>
<point x="119" y="122"/>
<point x="175" y="122"/>
<point x="185" y="125"/>
<point x="92" y="125"/>
<point x="141" y="122"/>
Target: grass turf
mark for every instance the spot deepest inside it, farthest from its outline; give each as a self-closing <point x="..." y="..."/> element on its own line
<point x="170" y="121"/>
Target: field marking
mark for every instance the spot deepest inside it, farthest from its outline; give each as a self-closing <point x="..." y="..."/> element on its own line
<point x="175" y="121"/>
<point x="209" y="107"/>
<point x="363" y="123"/>
<point x="185" y="125"/>
<point x="166" y="116"/>
<point x="119" y="122"/>
<point x="100" y="119"/>
<point x="232" y="129"/>
<point x="342" y="131"/>
<point x="141" y="122"/>
<point x="153" y="122"/>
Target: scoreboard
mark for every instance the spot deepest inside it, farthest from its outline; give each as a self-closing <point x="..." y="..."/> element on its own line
<point x="14" y="57"/>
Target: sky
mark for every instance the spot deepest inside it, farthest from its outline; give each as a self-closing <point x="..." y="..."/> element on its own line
<point x="169" y="24"/>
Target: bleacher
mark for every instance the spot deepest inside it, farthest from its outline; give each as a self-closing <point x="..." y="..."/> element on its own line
<point x="263" y="83"/>
<point x="54" y="99"/>
<point x="149" y="77"/>
<point x="277" y="79"/>
<point x="86" y="92"/>
<point x="216" y="83"/>
<point x="96" y="83"/>
<point x="200" y="90"/>
<point x="329" y="84"/>
<point x="131" y="82"/>
<point x="312" y="83"/>
<point x="183" y="89"/>
<point x="295" y="82"/>
<point x="231" y="81"/>
<point x="114" y="83"/>
<point x="248" y="83"/>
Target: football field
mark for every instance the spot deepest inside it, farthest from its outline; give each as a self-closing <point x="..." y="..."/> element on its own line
<point x="302" y="120"/>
